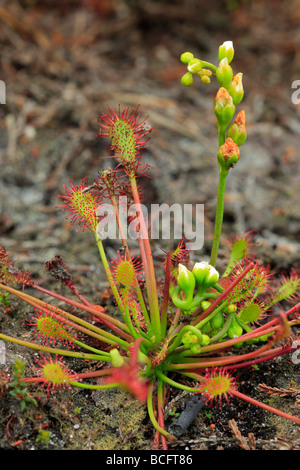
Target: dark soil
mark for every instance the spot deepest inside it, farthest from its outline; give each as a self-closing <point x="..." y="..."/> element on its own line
<point x="63" y="63"/>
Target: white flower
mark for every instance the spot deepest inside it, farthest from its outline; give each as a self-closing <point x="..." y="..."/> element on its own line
<point x="226" y="50"/>
<point x="205" y="274"/>
<point x="185" y="279"/>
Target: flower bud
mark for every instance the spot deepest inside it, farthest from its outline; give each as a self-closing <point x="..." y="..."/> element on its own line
<point x="116" y="358"/>
<point x="187" y="79"/>
<point x="237" y="130"/>
<point x="194" y="65"/>
<point x="186" y="57"/>
<point x="226" y="50"/>
<point x="205" y="340"/>
<point x="235" y="89"/>
<point x="205" y="75"/>
<point x="205" y="274"/>
<point x="223" y="107"/>
<point x="205" y="304"/>
<point x="217" y="321"/>
<point x="186" y="280"/>
<point x="224" y="73"/>
<point x="228" y="154"/>
<point x="190" y="340"/>
<point x="195" y="348"/>
<point x="235" y="329"/>
<point x="205" y="79"/>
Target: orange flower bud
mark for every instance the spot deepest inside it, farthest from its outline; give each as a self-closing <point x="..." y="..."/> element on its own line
<point x="237" y="130"/>
<point x="228" y="154"/>
<point x="223" y="107"/>
<point x="236" y="89"/>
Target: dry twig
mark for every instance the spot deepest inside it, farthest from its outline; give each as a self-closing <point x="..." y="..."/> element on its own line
<point x="250" y="445"/>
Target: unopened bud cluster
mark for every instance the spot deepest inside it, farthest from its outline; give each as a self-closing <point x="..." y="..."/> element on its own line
<point x="194" y="67"/>
<point x="193" y="284"/>
<point x="229" y="95"/>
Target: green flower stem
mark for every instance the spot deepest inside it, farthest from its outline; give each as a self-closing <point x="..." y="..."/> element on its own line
<point x="219" y="215"/>
<point x="148" y="264"/>
<point x="165" y="303"/>
<point x="200" y="297"/>
<point x="183" y="304"/>
<point x="89" y="348"/>
<point x="208" y="65"/>
<point x="171" y="382"/>
<point x="218" y="288"/>
<point x="178" y="339"/>
<point x="60" y="352"/>
<point x="152" y="414"/>
<point x="127" y="318"/>
<point x="108" y="273"/>
<point x="221" y="134"/>
<point x="223" y="330"/>
<point x="142" y="333"/>
<point x="93" y="386"/>
<point x="211" y="315"/>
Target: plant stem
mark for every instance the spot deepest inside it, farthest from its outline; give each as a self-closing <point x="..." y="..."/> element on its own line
<point x="101" y="334"/>
<point x="160" y="405"/>
<point x="148" y="263"/>
<point x="191" y="363"/>
<point x="152" y="415"/>
<point x="171" y="382"/>
<point x="208" y="65"/>
<point x="282" y="414"/>
<point x="219" y="215"/>
<point x="165" y="303"/>
<point x="114" y="324"/>
<point x="124" y="242"/>
<point x="178" y="339"/>
<point x="90" y="348"/>
<point x="108" y="273"/>
<point x="93" y="386"/>
<point x="61" y="352"/>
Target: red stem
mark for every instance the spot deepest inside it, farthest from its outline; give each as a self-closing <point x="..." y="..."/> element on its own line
<point x="114" y="324"/>
<point x="265" y="407"/>
<point x="220" y="362"/>
<point x="161" y="421"/>
<point x="264" y="357"/>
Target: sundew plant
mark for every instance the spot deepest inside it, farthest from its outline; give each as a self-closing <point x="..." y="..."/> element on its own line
<point x="189" y="328"/>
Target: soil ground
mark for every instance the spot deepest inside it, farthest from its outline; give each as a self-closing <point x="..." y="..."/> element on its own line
<point x="63" y="63"/>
